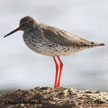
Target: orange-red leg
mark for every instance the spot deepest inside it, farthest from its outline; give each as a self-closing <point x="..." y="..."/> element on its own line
<point x="56" y="76"/>
<point x="61" y="67"/>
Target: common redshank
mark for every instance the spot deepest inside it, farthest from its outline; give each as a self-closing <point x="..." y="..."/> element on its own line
<point x="51" y="41"/>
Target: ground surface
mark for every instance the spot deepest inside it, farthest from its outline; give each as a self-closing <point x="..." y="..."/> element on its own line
<point x="47" y="97"/>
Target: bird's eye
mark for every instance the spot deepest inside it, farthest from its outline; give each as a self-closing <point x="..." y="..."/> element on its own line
<point x="26" y="23"/>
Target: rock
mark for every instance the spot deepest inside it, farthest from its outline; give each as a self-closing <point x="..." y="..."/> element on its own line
<point x="47" y="97"/>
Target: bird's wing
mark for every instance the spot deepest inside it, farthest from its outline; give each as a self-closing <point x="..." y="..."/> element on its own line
<point x="62" y="37"/>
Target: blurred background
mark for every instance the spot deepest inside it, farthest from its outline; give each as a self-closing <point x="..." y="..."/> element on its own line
<point x="22" y="68"/>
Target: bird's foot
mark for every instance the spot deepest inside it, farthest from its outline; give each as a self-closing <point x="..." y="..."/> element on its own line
<point x="58" y="86"/>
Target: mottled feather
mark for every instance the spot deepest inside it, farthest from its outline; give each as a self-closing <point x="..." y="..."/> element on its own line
<point x="65" y="38"/>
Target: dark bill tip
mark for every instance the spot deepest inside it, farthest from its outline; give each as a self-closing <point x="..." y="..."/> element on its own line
<point x="19" y="28"/>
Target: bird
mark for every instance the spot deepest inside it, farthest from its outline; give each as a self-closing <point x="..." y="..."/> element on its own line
<point x="51" y="41"/>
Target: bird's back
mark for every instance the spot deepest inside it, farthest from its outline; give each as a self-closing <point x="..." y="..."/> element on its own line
<point x="65" y="38"/>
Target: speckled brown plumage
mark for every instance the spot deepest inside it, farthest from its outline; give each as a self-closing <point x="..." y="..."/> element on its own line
<point x="51" y="41"/>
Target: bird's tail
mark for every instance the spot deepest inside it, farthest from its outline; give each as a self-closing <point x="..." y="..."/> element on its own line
<point x="93" y="44"/>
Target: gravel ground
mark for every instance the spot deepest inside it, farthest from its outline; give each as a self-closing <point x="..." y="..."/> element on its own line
<point x="47" y="97"/>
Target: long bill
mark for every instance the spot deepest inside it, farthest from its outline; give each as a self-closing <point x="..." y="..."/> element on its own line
<point x="19" y="28"/>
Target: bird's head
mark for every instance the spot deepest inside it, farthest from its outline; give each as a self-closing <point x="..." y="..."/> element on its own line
<point x="25" y="24"/>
